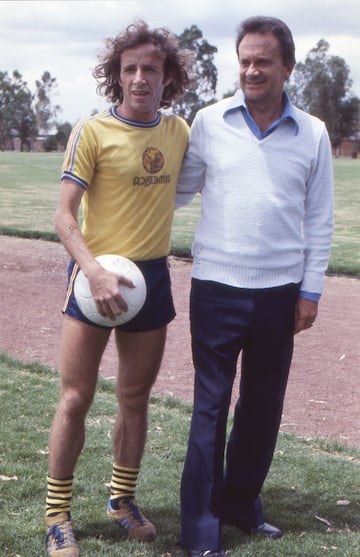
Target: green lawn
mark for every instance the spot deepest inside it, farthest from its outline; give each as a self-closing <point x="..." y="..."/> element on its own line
<point x="312" y="490"/>
<point x="345" y="257"/>
<point x="29" y="185"/>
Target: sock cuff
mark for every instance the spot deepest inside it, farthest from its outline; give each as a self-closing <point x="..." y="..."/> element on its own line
<point x="62" y="482"/>
<point x="118" y="468"/>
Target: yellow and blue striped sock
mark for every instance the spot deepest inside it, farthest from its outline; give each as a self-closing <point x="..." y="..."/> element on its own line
<point x="123" y="483"/>
<point x="59" y="494"/>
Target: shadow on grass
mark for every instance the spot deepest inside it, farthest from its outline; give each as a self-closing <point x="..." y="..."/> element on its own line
<point x="298" y="514"/>
<point x="107" y="533"/>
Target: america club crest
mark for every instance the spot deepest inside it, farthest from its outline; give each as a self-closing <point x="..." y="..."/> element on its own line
<point x="153" y="160"/>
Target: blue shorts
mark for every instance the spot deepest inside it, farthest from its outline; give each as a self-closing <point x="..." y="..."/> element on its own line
<point x="158" y="309"/>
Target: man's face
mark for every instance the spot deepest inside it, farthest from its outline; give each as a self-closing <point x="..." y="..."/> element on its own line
<point x="143" y="81"/>
<point x="262" y="70"/>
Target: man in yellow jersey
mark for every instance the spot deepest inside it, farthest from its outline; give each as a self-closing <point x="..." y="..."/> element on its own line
<point x="122" y="166"/>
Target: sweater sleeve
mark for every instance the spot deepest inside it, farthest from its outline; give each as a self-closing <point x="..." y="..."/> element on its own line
<point x="318" y="221"/>
<point x="192" y="175"/>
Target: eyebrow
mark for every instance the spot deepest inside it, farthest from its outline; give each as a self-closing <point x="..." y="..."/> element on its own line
<point x="257" y="59"/>
<point x="132" y="65"/>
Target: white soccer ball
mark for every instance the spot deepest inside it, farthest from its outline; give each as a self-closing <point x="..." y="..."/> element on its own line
<point x="135" y="297"/>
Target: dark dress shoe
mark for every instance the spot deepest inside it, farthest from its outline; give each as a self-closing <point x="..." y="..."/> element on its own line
<point x="205" y="553"/>
<point x="266" y="530"/>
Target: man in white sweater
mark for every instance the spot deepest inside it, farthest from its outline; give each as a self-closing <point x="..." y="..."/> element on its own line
<point x="261" y="249"/>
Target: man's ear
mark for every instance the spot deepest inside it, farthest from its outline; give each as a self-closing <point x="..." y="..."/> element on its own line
<point x="167" y="80"/>
<point x="288" y="72"/>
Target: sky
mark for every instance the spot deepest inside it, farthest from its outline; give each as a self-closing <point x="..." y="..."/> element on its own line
<point x="66" y="37"/>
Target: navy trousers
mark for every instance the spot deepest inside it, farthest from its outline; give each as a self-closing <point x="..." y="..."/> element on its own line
<point x="227" y="321"/>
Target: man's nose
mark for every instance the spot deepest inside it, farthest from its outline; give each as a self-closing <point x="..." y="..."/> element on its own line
<point x="139" y="76"/>
<point x="252" y="69"/>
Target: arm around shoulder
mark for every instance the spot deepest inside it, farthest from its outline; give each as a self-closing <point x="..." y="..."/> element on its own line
<point x="192" y="174"/>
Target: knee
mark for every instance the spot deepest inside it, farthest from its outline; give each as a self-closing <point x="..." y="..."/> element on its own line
<point x="134" y="399"/>
<point x="75" y="403"/>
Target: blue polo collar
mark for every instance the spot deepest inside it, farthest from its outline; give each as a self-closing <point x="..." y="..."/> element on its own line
<point x="237" y="102"/>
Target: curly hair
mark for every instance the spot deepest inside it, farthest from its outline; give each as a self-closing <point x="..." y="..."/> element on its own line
<point x="264" y="24"/>
<point x="177" y="61"/>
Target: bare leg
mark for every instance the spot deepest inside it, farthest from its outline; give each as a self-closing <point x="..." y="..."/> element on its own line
<point x="140" y="356"/>
<point x="81" y="351"/>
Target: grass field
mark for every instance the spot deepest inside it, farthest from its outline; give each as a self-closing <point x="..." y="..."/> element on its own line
<point x="29" y="186"/>
<point x="312" y="490"/>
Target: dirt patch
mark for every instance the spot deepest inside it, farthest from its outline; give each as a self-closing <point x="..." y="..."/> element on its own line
<point x="322" y="398"/>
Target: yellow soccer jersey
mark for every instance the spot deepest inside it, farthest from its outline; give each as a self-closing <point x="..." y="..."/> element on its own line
<point x="129" y="171"/>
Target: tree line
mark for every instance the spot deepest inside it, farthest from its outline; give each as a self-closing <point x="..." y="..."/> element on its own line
<point x="25" y="115"/>
<point x="321" y="85"/>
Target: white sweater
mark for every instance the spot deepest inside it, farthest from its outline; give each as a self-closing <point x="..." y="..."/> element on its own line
<point x="267" y="205"/>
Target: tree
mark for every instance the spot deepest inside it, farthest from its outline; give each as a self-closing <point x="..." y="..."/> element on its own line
<point x="322" y="86"/>
<point x="45" y="112"/>
<point x="16" y="114"/>
<point x="5" y="97"/>
<point x="63" y="133"/>
<point x="22" y="114"/>
<point x="203" y="92"/>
